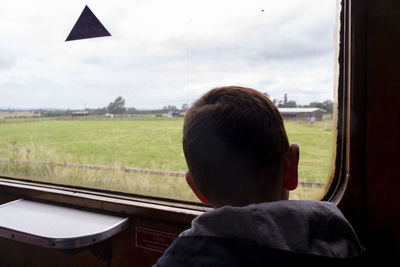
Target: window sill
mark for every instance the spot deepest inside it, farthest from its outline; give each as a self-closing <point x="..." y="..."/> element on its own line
<point x="132" y="206"/>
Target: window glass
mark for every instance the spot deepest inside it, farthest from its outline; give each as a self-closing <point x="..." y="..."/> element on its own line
<point x="107" y="112"/>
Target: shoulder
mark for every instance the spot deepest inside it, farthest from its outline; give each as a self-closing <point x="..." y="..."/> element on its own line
<point x="210" y="251"/>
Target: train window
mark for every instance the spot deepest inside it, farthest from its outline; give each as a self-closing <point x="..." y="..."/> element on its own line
<point x="107" y="113"/>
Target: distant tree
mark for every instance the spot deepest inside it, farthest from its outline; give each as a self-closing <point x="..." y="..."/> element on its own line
<point x="328" y="106"/>
<point x="266" y="94"/>
<point x="97" y="111"/>
<point x="184" y="107"/>
<point x="117" y="106"/>
<point x="131" y="110"/>
<point x="285" y="103"/>
<point x="291" y="104"/>
<point x="275" y="101"/>
<point x="54" y="113"/>
<point x="169" y="108"/>
<point x="315" y="105"/>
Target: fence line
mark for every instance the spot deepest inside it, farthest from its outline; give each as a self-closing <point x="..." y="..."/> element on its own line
<point x="130" y="170"/>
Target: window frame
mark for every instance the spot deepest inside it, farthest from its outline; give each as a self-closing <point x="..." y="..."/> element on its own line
<point x="348" y="181"/>
<point x="336" y="183"/>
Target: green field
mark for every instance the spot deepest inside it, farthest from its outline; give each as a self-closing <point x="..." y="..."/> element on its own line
<point x="131" y="143"/>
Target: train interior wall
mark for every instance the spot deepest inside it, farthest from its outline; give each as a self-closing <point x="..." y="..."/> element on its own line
<point x="382" y="143"/>
<point x="372" y="200"/>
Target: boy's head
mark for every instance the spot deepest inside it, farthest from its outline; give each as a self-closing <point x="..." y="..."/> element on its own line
<point x="237" y="150"/>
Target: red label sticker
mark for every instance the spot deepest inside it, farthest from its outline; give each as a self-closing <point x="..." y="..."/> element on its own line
<point x="153" y="240"/>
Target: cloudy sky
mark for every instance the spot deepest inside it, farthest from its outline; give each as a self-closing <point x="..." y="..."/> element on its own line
<point x="164" y="52"/>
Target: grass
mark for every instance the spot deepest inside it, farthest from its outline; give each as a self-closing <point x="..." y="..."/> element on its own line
<point x="315" y="142"/>
<point x="141" y="144"/>
<point x="17" y="114"/>
<point x="145" y="144"/>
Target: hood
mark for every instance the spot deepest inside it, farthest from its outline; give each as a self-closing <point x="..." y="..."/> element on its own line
<point x="311" y="227"/>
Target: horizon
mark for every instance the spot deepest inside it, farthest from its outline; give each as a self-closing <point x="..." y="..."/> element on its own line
<point x="2" y="109"/>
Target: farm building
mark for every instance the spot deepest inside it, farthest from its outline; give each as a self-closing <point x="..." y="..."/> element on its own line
<point x="302" y="114"/>
<point x="79" y="113"/>
<point x="174" y="114"/>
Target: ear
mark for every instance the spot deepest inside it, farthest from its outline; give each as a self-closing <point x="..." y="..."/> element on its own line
<point x="196" y="191"/>
<point x="290" y="164"/>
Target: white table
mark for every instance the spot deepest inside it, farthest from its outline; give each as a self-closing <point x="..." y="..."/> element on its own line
<point x="55" y="226"/>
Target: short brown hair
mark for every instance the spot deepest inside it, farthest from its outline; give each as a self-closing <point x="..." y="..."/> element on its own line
<point x="234" y="140"/>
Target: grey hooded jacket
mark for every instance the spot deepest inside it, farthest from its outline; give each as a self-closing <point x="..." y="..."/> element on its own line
<point x="281" y="231"/>
<point x="312" y="227"/>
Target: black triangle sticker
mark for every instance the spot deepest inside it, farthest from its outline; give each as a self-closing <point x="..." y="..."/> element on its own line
<point x="87" y="26"/>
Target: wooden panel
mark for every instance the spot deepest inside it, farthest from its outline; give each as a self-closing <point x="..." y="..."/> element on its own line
<point x="383" y="128"/>
<point x="4" y="198"/>
<point x="372" y="198"/>
<point x="125" y="251"/>
<point x="14" y="253"/>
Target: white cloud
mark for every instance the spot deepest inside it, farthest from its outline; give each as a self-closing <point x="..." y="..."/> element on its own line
<point x="164" y="52"/>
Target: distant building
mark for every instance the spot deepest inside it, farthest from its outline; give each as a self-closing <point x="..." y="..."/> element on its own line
<point x="79" y="113"/>
<point x="301" y="114"/>
<point x="173" y="114"/>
